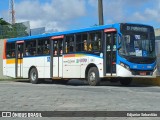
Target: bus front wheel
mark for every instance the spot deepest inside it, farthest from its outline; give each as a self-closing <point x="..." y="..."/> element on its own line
<point x="33" y="76"/>
<point x="93" y="76"/>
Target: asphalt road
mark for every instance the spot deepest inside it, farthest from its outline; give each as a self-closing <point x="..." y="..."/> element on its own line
<point x="77" y="96"/>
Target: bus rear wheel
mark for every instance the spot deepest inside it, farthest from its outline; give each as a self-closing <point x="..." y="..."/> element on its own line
<point x="125" y="81"/>
<point x="33" y="76"/>
<point x="93" y="76"/>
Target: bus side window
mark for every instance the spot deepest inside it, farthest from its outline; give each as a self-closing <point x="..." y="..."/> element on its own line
<point x="94" y="43"/>
<point x="84" y="38"/>
<point x="90" y="43"/>
<point x="31" y="47"/>
<point x="43" y="47"/>
<point x="55" y="48"/>
<point x="85" y="45"/>
<point x="66" y="48"/>
<point x="81" y="42"/>
<point x="78" y="42"/>
<point x="10" y="50"/>
<point x="69" y="44"/>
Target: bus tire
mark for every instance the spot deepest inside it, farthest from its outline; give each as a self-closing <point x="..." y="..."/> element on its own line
<point x="125" y="81"/>
<point x="93" y="76"/>
<point x="33" y="76"/>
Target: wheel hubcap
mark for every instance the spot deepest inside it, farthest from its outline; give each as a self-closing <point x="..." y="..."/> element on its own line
<point x="92" y="77"/>
<point x="33" y="76"/>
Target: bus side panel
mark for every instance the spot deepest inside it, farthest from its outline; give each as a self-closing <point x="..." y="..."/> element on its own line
<point x="10" y="67"/>
<point x="60" y="66"/>
<point x="47" y="67"/>
<point x="84" y="61"/>
<point x="37" y="62"/>
<point x="40" y="64"/>
<point x="27" y="63"/>
<point x="98" y="62"/>
<point x="71" y="67"/>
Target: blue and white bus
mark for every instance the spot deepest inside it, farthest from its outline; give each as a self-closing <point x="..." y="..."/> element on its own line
<point x="117" y="51"/>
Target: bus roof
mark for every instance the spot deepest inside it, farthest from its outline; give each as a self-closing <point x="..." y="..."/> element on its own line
<point x="61" y="33"/>
<point x="94" y="28"/>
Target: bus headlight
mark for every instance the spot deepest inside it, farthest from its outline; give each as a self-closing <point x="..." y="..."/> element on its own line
<point x="124" y="65"/>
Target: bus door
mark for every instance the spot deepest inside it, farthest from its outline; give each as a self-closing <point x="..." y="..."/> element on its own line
<point x="56" y="56"/>
<point x="110" y="51"/>
<point x="19" y="59"/>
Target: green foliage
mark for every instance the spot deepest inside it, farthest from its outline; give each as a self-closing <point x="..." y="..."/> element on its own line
<point x="3" y="22"/>
<point x="11" y="31"/>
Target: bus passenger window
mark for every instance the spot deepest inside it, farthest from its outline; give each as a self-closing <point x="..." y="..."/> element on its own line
<point x="66" y="48"/>
<point x="10" y="50"/>
<point x="27" y="52"/>
<point x="43" y="47"/>
<point x="81" y="42"/>
<point x="13" y="54"/>
<point x="89" y="47"/>
<point x="85" y="45"/>
<point x="94" y="41"/>
<point x="69" y="47"/>
<point x="55" y="51"/>
<point x="8" y="55"/>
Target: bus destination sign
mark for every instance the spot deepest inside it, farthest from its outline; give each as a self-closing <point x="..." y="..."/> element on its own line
<point x="137" y="28"/>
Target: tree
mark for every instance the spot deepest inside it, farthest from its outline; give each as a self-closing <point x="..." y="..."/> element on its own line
<point x="8" y="30"/>
<point x="3" y="22"/>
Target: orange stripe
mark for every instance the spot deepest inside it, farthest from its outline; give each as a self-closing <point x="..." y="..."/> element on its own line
<point x="4" y="49"/>
<point x="110" y="30"/>
<point x="13" y="61"/>
<point x="70" y="55"/>
<point x="57" y="37"/>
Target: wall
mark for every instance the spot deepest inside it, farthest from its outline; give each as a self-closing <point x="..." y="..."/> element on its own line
<point x="1" y="60"/>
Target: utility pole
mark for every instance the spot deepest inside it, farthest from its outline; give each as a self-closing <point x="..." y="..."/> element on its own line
<point x="12" y="11"/>
<point x="100" y="12"/>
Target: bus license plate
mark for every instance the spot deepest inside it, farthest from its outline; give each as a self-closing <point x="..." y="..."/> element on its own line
<point x="142" y="73"/>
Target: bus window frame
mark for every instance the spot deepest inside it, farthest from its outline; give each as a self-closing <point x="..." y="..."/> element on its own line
<point x="65" y="39"/>
<point x="11" y="50"/>
<point x="101" y="32"/>
<point x="82" y="34"/>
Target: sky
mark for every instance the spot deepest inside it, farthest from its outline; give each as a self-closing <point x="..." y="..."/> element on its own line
<point x="61" y="15"/>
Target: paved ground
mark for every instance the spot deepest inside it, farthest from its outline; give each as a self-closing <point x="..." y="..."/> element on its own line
<point x="77" y="96"/>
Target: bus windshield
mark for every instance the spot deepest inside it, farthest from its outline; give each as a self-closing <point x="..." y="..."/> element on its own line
<point x="137" y="41"/>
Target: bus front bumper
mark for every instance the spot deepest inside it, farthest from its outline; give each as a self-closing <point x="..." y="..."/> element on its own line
<point x="123" y="72"/>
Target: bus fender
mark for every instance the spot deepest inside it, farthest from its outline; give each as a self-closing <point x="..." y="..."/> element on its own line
<point x="88" y="67"/>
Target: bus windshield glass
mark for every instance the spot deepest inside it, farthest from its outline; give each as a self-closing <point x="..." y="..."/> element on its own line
<point x="137" y="41"/>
